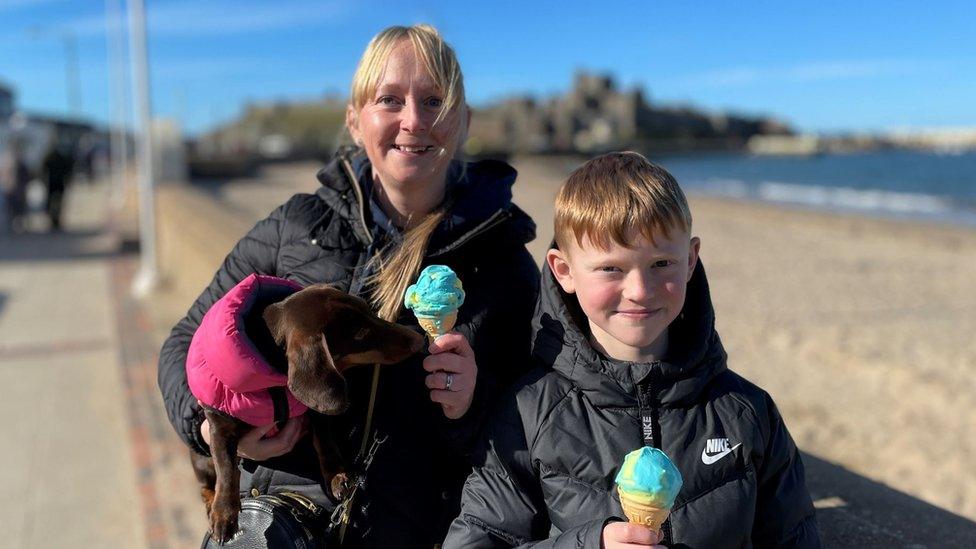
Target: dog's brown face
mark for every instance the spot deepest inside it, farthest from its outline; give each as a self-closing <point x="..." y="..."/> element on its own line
<point x="325" y="331"/>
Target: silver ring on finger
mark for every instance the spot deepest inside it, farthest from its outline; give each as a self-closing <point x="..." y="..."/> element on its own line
<point x="449" y="381"/>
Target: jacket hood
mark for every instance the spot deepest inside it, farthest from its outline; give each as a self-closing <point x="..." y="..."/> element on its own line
<point x="227" y="364"/>
<point x="480" y="192"/>
<point x="695" y="353"/>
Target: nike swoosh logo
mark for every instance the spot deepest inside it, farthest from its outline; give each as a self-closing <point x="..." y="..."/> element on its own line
<point x="708" y="460"/>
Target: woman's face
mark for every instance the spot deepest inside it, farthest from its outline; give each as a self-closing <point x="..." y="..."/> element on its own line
<point x="396" y="126"/>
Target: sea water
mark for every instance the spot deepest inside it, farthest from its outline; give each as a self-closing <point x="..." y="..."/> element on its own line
<point x="895" y="183"/>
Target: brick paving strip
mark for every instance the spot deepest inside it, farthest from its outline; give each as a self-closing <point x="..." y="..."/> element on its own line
<point x="159" y="455"/>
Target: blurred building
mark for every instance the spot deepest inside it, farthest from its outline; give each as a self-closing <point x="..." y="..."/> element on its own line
<point x="595" y="116"/>
<point x="268" y="132"/>
<point x="169" y="150"/>
<point x="6" y="103"/>
<point x="277" y="131"/>
<point x="941" y="140"/>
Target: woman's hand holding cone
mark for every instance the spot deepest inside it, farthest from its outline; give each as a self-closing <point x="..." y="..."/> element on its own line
<point x="451" y="357"/>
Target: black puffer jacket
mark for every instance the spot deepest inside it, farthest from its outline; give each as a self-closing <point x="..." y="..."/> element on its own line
<point x="414" y="481"/>
<point x="546" y="474"/>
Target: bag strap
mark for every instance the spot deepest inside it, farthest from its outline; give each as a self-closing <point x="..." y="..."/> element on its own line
<point x="303" y="501"/>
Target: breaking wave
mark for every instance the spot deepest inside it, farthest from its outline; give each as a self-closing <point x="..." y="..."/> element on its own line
<point x="871" y="201"/>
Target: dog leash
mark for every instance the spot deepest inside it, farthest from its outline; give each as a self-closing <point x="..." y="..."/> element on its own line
<point x="341" y="514"/>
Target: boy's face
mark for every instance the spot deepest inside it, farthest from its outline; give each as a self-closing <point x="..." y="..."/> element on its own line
<point x="629" y="295"/>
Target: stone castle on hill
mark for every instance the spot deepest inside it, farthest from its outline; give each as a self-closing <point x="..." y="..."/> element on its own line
<point x="594" y="116"/>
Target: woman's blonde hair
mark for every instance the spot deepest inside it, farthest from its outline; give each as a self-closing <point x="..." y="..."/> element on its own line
<point x="398" y="271"/>
<point x="615" y="196"/>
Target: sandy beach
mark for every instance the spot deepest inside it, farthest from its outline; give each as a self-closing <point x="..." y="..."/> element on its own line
<point x="861" y="329"/>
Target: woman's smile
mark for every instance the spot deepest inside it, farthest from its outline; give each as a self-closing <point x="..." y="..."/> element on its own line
<point x="413" y="150"/>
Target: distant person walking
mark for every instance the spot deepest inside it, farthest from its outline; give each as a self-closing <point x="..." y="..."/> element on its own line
<point x="14" y="177"/>
<point x="58" y="165"/>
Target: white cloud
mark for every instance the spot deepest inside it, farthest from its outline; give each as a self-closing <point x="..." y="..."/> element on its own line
<point x="810" y="72"/>
<point x="15" y="4"/>
<point x="221" y="17"/>
<point x="730" y="77"/>
<point x="207" y="68"/>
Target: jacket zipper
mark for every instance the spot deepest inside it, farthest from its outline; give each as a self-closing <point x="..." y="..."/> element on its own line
<point x="360" y="201"/>
<point x="651" y="431"/>
<point x="496" y="219"/>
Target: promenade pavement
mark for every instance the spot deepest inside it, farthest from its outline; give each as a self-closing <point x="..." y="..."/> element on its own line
<point x="86" y="446"/>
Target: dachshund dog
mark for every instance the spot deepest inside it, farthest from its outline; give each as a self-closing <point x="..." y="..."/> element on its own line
<point x="323" y="331"/>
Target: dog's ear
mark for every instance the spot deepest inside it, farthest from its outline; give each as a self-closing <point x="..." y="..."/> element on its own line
<point x="274" y="317"/>
<point x="313" y="378"/>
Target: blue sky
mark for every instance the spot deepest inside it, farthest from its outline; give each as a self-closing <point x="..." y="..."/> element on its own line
<point x="821" y="66"/>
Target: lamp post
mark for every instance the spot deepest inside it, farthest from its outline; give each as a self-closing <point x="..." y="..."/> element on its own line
<point x="147" y="278"/>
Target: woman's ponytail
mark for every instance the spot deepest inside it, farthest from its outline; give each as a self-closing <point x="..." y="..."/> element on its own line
<point x="394" y="274"/>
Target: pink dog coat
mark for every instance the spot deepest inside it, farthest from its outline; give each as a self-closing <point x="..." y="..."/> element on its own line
<point x="225" y="368"/>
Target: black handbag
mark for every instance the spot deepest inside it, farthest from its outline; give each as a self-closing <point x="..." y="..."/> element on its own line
<point x="276" y="521"/>
<point x="288" y="519"/>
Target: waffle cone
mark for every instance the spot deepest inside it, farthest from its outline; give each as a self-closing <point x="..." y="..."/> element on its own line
<point x="437" y="325"/>
<point x="640" y="513"/>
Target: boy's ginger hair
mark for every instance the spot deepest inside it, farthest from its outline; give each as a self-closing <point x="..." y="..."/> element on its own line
<point x="616" y="195"/>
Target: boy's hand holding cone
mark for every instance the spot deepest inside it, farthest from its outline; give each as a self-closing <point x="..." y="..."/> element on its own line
<point x="625" y="535"/>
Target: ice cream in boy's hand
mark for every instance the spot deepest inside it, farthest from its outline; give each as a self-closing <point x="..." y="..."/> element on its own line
<point x="435" y="299"/>
<point x="648" y="483"/>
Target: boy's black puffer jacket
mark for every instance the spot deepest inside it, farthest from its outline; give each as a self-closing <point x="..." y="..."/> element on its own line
<point x="545" y="477"/>
<point x="414" y="481"/>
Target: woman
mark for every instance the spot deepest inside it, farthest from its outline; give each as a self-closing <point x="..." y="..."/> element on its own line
<point x="386" y="208"/>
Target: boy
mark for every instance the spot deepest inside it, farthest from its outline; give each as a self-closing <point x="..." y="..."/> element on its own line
<point x="625" y="334"/>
